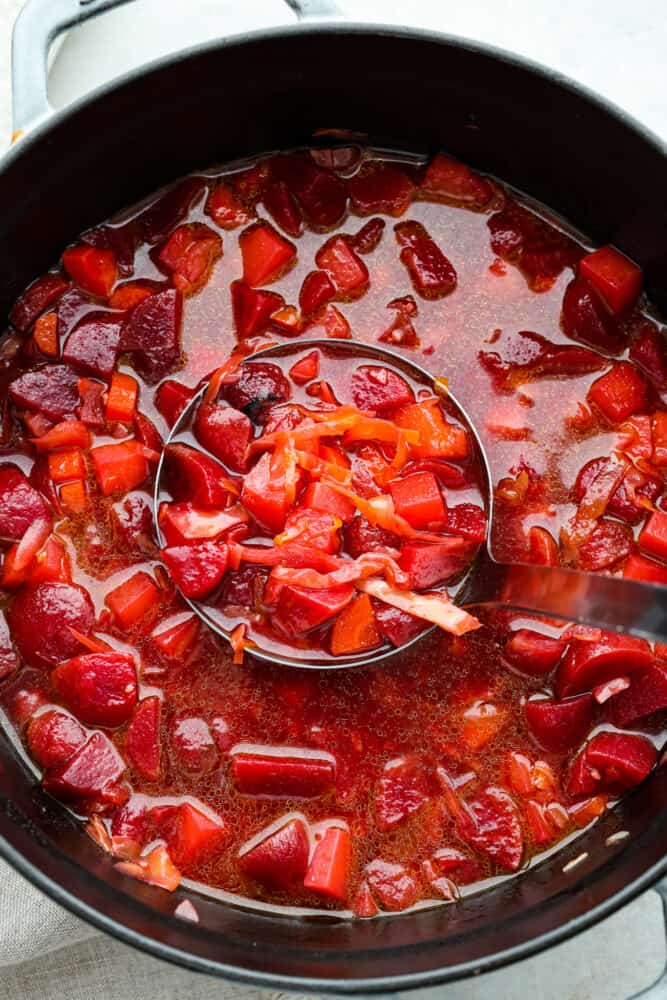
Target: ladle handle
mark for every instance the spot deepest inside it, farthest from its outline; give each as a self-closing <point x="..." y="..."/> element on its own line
<point x="605" y="602"/>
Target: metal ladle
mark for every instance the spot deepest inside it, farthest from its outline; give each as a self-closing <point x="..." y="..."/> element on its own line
<point x="606" y="602"/>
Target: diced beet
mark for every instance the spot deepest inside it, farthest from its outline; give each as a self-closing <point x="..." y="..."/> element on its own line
<point x="638" y="567"/>
<point x="607" y="544"/>
<point x="279" y="861"/>
<point x="611" y="762"/>
<point x="560" y="725"/>
<point x="306" y="368"/>
<point x="225" y="208"/>
<point x="132" y="523"/>
<point x="192" y="475"/>
<point x="152" y="334"/>
<point x="649" y="352"/>
<point x="253" y="308"/>
<point x="189" y="255"/>
<point x="467" y="520"/>
<point x="299" y="610"/>
<point x="494" y="828"/>
<point x="224" y="431"/>
<point x="329" y="869"/>
<point x="196" y="569"/>
<point x="377" y="388"/>
<point x="620" y="392"/>
<point x="380" y="187"/>
<point x="369" y="236"/>
<point x="419" y="500"/>
<point x="345" y="268"/>
<point x="142" y="739"/>
<point x="432" y="274"/>
<point x="9" y="661"/>
<point x="92" y="269"/>
<point x="121" y="239"/>
<point x="265" y="497"/>
<point x="40" y="618"/>
<point x="404" y="789"/>
<point x="20" y="504"/>
<point x="51" y="390"/>
<point x="397" y="626"/>
<point x="192" y="835"/>
<point x="147" y="433"/>
<point x="36" y="299"/>
<point x="53" y="737"/>
<point x="646" y="695"/>
<point x="539" y="248"/>
<point x="282" y="208"/>
<point x="259" y="385"/>
<point x="587" y="664"/>
<point x="526" y="355"/>
<point x="533" y="653"/>
<point x="91" y="411"/>
<point x="266" y="254"/>
<point x="392" y="884"/>
<point x="93" y="345"/>
<point x="280" y="773"/>
<point x="360" y="537"/>
<point x="320" y="497"/>
<point x="329" y="322"/>
<point x="584" y="318"/>
<point x="615" y="278"/>
<point x="158" y="220"/>
<point x="448" y="178"/>
<point x="321" y="194"/>
<point x="171" y="398"/>
<point x="131" y="819"/>
<point x="91" y="776"/>
<point x="244" y="588"/>
<point x="100" y="688"/>
<point x="653" y="536"/>
<point x="193" y="744"/>
<point x="459" y="867"/>
<point x="317" y="289"/>
<point x="428" y="564"/>
<point x="622" y="503"/>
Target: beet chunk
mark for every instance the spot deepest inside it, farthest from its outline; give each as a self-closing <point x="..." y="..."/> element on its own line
<point x="359" y="536"/>
<point x="260" y="384"/>
<point x="36" y="299"/>
<point x="100" y="688"/>
<point x="93" y="345"/>
<point x="224" y="431"/>
<point x="53" y="737"/>
<point x="279" y="861"/>
<point x="152" y="334"/>
<point x="40" y="619"/>
<point x="9" y="661"/>
<point x="157" y="221"/>
<point x="51" y="390"/>
<point x="91" y="777"/>
<point x="20" y="504"/>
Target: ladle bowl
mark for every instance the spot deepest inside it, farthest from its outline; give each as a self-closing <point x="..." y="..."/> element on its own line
<point x="591" y="599"/>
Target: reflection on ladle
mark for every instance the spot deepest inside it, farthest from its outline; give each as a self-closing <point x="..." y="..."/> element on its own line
<point x="606" y="602"/>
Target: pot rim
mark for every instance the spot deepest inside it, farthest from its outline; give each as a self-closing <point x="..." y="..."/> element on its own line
<point x="159" y="948"/>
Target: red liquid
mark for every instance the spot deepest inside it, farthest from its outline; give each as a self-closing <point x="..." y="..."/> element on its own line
<point x="432" y="764"/>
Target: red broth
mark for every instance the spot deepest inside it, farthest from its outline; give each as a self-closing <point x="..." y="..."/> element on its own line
<point x="369" y="790"/>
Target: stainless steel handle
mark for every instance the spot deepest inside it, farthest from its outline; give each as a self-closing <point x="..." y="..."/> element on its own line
<point x="588" y="598"/>
<point x="40" y="22"/>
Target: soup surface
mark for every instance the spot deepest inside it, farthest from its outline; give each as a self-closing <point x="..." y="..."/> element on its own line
<point x="367" y="790"/>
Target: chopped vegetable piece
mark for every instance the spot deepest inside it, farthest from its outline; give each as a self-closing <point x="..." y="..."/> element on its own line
<point x="330" y="866"/>
<point x="279" y="772"/>
<point x="100" y="688"/>
<point x="122" y="398"/>
<point x="280" y="860"/>
<point x="619" y="393"/>
<point x="266" y="254"/>
<point x="93" y="270"/>
<point x="120" y="467"/>
<point x="616" y="279"/>
<point x="431" y="607"/>
<point x="355" y="630"/>
<point x="134" y="600"/>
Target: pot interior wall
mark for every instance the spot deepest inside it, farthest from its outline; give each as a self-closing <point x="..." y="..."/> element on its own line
<point x="409" y="92"/>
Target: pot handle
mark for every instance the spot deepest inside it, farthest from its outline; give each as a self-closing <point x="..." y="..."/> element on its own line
<point x="38" y="25"/>
<point x="40" y="22"/>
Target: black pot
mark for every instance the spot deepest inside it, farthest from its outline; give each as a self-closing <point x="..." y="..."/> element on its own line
<point x="408" y="90"/>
